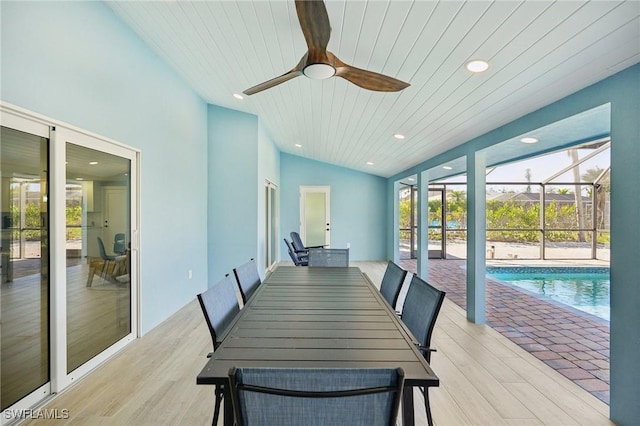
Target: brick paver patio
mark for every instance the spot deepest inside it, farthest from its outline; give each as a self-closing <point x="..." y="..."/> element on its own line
<point x="572" y="342"/>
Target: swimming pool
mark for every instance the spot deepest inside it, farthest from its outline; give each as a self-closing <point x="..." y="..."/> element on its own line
<point x="584" y="288"/>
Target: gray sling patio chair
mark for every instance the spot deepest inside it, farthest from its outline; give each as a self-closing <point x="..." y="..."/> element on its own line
<point x="328" y="257"/>
<point x="248" y="279"/>
<point x="298" y="259"/>
<point x="220" y="306"/>
<point x="392" y="283"/>
<point x="419" y="313"/>
<point x="300" y="248"/>
<point x="316" y="396"/>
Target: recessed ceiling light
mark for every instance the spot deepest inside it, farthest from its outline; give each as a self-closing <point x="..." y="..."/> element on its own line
<point x="411" y="179"/>
<point x="528" y="139"/>
<point x="79" y="179"/>
<point x="238" y="96"/>
<point x="298" y="145"/>
<point x="93" y="163"/>
<point x="477" y="65"/>
<point x="398" y="136"/>
<point x="447" y="167"/>
<point x="369" y="163"/>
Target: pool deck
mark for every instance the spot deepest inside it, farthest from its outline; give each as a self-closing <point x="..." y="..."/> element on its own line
<point x="574" y="343"/>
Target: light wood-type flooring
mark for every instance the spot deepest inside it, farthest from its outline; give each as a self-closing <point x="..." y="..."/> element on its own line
<point x="485" y="379"/>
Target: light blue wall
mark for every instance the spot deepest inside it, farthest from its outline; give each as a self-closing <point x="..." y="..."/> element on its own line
<point x="358" y="205"/>
<point x="623" y="91"/>
<point x="241" y="156"/>
<point x="233" y="189"/>
<point x="77" y="62"/>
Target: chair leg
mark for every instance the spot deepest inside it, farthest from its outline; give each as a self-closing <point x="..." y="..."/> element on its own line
<point x="427" y="406"/>
<point x="216" y="411"/>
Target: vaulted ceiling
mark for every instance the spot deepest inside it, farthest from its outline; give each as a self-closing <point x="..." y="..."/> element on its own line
<point x="538" y="51"/>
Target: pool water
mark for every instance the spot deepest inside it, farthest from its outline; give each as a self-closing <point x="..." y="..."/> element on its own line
<point x="586" y="289"/>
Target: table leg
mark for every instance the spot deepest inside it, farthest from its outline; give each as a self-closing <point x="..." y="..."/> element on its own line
<point x="407" y="406"/>
<point x="228" y="407"/>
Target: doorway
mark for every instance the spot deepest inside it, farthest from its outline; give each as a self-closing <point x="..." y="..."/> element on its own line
<point x="315" y="215"/>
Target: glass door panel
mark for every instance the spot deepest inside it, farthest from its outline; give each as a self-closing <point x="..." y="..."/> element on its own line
<point x="98" y="257"/>
<point x="24" y="265"/>
<point x="315" y="219"/>
<point x="314" y="213"/>
<point x="270" y="225"/>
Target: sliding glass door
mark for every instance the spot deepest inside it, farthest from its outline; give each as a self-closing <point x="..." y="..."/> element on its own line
<point x="24" y="267"/>
<point x="68" y="256"/>
<point x="271" y="220"/>
<point x="97" y="252"/>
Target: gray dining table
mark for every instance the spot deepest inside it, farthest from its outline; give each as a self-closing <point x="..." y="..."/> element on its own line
<point x="303" y="317"/>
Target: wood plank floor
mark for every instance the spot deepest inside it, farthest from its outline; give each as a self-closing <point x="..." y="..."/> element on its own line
<point x="485" y="379"/>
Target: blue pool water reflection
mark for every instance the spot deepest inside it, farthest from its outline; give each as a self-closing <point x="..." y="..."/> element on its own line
<point x="586" y="289"/>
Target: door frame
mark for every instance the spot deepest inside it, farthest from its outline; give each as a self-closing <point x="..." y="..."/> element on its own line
<point x="60" y="136"/>
<point x="271" y="225"/>
<point x="326" y="189"/>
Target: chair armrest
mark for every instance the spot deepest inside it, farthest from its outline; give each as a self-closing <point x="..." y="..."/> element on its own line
<point x="425" y="348"/>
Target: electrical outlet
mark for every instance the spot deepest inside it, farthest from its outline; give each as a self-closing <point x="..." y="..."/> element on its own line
<point x="190" y="274"/>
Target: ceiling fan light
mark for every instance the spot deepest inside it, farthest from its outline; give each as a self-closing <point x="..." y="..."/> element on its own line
<point x="319" y="71"/>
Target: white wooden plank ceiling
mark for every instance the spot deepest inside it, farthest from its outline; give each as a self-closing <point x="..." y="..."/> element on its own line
<point x="539" y="52"/>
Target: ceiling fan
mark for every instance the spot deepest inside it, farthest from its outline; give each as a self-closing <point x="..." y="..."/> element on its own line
<point x="320" y="64"/>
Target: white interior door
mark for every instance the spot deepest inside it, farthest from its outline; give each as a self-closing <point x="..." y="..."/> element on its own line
<point x="315" y="215"/>
<point x="115" y="221"/>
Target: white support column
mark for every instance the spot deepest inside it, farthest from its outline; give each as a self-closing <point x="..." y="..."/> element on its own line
<point x="476" y="238"/>
<point x="423" y="225"/>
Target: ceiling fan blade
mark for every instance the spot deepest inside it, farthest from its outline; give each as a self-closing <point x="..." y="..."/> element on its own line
<point x="314" y="22"/>
<point x="295" y="72"/>
<point x="370" y="80"/>
<point x="273" y="82"/>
